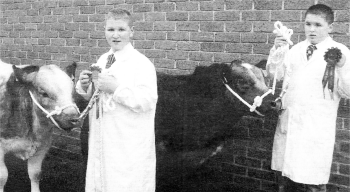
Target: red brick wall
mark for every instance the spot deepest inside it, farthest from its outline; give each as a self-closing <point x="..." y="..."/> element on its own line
<point x="177" y="35"/>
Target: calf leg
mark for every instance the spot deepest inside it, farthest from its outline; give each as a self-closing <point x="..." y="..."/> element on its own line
<point x="3" y="170"/>
<point x="34" y="169"/>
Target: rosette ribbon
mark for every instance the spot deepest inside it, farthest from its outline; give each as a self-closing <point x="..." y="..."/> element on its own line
<point x="332" y="57"/>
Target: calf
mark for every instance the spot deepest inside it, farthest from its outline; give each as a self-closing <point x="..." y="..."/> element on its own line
<point x="33" y="101"/>
<point x="196" y="113"/>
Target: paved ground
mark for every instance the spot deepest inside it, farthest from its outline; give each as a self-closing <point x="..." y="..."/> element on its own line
<point x="57" y="176"/>
<point x="68" y="176"/>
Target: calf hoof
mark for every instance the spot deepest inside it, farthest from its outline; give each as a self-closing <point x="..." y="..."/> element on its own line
<point x="281" y="188"/>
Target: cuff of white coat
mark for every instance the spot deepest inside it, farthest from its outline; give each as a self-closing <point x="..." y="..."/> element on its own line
<point x="273" y="48"/>
<point x="344" y="79"/>
<point x="121" y="95"/>
<point x="344" y="71"/>
<point x="117" y="93"/>
<point x="85" y="94"/>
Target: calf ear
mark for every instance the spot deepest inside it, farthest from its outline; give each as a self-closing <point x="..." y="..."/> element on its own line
<point x="226" y="74"/>
<point x="262" y="64"/>
<point x="25" y="74"/>
<point x="70" y="70"/>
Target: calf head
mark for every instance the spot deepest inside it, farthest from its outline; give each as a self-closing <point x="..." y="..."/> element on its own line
<point x="249" y="82"/>
<point x="52" y="89"/>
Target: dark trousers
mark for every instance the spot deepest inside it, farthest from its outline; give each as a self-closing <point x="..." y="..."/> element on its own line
<point x="287" y="185"/>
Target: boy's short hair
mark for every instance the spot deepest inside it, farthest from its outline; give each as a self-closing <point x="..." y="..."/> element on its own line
<point x="120" y="14"/>
<point x="322" y="10"/>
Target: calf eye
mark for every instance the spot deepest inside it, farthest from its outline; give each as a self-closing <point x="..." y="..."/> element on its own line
<point x="43" y="93"/>
<point x="245" y="82"/>
<point x="240" y="81"/>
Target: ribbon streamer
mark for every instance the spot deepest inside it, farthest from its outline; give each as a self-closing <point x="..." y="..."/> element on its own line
<point x="332" y="57"/>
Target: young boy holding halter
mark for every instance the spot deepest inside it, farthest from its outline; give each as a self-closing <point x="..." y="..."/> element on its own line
<point x="121" y="139"/>
<point x="305" y="134"/>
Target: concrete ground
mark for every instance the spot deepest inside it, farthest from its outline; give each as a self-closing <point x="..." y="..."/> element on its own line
<point x="61" y="175"/>
<point x="57" y="176"/>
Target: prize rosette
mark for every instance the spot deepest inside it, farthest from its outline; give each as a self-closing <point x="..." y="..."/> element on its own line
<point x="95" y="71"/>
<point x="332" y="57"/>
<point x="95" y="68"/>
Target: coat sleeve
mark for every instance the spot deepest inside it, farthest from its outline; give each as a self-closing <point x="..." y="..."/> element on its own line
<point x="343" y="81"/>
<point x="140" y="95"/>
<point x="287" y="70"/>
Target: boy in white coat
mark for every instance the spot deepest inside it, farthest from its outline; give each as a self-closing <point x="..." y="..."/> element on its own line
<point x="121" y="139"/>
<point x="305" y="135"/>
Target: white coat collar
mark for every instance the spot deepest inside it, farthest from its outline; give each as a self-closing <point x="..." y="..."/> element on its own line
<point x="123" y="53"/>
<point x="320" y="46"/>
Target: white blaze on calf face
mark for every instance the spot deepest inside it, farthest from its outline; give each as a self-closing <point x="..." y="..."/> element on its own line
<point x="247" y="65"/>
<point x="252" y="77"/>
<point x="53" y="92"/>
<point x="257" y="75"/>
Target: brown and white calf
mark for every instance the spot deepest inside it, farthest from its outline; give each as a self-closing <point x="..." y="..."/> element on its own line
<point x="33" y="101"/>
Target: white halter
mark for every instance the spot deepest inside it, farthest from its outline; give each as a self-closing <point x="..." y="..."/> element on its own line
<point x="57" y="111"/>
<point x="257" y="100"/>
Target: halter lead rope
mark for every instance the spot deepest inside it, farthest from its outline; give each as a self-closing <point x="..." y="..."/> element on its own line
<point x="57" y="111"/>
<point x="257" y="100"/>
<point x="281" y="30"/>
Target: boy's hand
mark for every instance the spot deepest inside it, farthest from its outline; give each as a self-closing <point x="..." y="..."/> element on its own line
<point x="85" y="79"/>
<point x="280" y="41"/>
<point x="342" y="61"/>
<point x="107" y="82"/>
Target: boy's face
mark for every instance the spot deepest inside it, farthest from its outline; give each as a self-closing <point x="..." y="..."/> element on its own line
<point x="316" y="28"/>
<point x="118" y="33"/>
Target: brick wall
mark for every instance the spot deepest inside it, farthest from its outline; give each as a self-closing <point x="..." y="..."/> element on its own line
<point x="247" y="161"/>
<point x="177" y="35"/>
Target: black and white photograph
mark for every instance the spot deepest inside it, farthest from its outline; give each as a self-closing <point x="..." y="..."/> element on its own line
<point x="174" y="96"/>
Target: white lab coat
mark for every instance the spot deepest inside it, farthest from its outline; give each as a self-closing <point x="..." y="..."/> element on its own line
<point x="122" y="141"/>
<point x="305" y="134"/>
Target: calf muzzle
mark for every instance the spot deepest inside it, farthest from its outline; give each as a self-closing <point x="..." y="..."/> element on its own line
<point x="74" y="121"/>
<point x="276" y="105"/>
